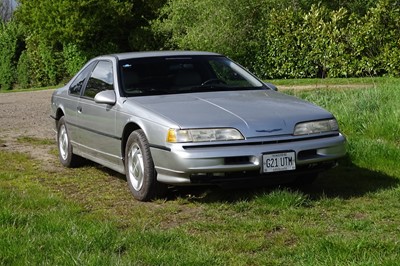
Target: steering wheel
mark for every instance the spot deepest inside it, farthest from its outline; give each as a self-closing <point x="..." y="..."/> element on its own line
<point x="213" y="81"/>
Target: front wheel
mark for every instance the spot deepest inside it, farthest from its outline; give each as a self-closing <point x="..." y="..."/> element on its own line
<point x="139" y="169"/>
<point x="66" y="155"/>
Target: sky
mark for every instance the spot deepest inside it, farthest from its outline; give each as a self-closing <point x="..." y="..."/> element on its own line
<point x="10" y="3"/>
<point x="13" y="3"/>
<point x="7" y="8"/>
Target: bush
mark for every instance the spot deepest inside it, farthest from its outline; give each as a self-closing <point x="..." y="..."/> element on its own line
<point x="312" y="46"/>
<point x="290" y="39"/>
<point x="9" y="41"/>
<point x="273" y="38"/>
<point x="281" y="48"/>
<point x="46" y="63"/>
<point x="225" y="26"/>
<point x="74" y="58"/>
<point x="23" y="71"/>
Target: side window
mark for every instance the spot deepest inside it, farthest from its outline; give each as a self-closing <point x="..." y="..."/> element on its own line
<point x="77" y="84"/>
<point x="101" y="79"/>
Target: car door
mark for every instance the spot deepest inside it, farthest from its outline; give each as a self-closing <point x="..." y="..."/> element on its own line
<point x="95" y="121"/>
<point x="71" y="103"/>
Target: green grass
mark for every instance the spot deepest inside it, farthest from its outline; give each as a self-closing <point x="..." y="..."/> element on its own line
<point x="35" y="141"/>
<point x="87" y="216"/>
<point x="370" y="118"/>
<point x="370" y="81"/>
<point x="31" y="89"/>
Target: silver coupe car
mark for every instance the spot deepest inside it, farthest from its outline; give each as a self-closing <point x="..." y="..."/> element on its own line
<point x="187" y="118"/>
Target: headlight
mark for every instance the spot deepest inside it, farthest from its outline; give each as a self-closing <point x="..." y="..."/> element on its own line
<point x="203" y="135"/>
<point x="316" y="127"/>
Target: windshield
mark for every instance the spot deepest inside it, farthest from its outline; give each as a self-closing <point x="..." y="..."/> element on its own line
<point x="169" y="75"/>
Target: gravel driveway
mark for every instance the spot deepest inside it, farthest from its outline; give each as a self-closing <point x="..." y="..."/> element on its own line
<point x="27" y="114"/>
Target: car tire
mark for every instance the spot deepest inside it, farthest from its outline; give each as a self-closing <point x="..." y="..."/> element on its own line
<point x="139" y="169"/>
<point x="65" y="152"/>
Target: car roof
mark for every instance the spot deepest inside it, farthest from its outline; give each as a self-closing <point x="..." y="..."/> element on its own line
<point x="123" y="56"/>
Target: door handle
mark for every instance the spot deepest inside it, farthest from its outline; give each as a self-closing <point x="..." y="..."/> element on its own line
<point x="79" y="108"/>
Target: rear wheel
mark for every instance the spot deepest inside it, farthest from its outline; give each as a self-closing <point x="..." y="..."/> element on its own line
<point x="66" y="155"/>
<point x="139" y="169"/>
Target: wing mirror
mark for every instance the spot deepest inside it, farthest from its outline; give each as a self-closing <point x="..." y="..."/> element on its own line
<point x="106" y="97"/>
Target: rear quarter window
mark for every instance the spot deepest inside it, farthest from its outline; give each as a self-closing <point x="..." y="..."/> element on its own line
<point x="77" y="85"/>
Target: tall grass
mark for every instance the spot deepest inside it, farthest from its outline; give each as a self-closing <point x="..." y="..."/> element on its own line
<point x="370" y="118"/>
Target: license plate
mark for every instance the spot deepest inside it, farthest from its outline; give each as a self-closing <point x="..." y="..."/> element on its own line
<point x="278" y="162"/>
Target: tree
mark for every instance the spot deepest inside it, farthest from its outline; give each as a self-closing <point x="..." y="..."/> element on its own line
<point x="290" y="38"/>
<point x="10" y="49"/>
<point x="62" y="35"/>
<point x="96" y="26"/>
<point x="91" y="24"/>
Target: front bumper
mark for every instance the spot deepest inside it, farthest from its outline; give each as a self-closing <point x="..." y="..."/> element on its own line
<point x="224" y="163"/>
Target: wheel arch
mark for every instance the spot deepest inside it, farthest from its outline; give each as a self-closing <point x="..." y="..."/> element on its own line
<point x="59" y="114"/>
<point x="128" y="129"/>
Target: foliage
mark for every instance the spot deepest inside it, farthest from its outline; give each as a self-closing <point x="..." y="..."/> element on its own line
<point x="274" y="38"/>
<point x="96" y="27"/>
<point x="358" y="7"/>
<point x="375" y="40"/>
<point x="45" y="63"/>
<point x="298" y="45"/>
<point x="141" y="37"/>
<point x="60" y="42"/>
<point x="87" y="23"/>
<point x="10" y="35"/>
<point x="225" y="26"/>
<point x="74" y="58"/>
<point x="278" y="39"/>
<point x="23" y="71"/>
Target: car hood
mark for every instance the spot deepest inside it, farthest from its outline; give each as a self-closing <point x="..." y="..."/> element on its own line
<point x="255" y="113"/>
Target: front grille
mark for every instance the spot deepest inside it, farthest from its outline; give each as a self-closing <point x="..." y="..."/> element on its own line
<point x="256" y="175"/>
<point x="307" y="154"/>
<point x="237" y="160"/>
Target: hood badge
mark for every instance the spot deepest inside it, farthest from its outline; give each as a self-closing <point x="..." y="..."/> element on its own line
<point x="268" y="131"/>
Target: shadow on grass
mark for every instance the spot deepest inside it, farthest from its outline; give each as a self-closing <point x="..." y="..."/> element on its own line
<point x="348" y="182"/>
<point x="344" y="182"/>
